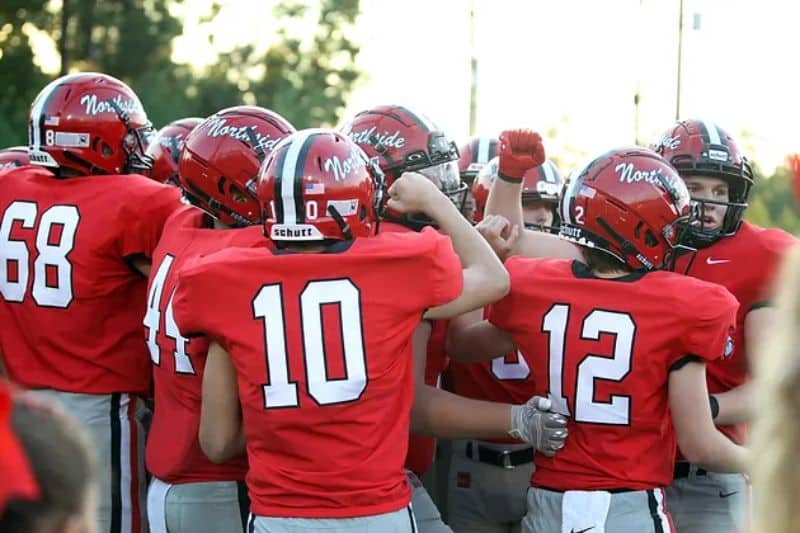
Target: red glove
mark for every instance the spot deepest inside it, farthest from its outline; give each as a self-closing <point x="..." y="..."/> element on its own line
<point x="520" y="151"/>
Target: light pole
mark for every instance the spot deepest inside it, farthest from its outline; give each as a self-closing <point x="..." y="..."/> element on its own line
<point x="473" y="72"/>
<point x="680" y="57"/>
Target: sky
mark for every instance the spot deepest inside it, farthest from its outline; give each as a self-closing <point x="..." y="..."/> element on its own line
<point x="567" y="68"/>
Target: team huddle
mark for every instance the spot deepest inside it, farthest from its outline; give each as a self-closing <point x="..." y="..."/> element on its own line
<point x="252" y="322"/>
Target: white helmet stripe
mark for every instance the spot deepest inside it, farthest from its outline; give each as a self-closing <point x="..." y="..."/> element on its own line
<point x="549" y="172"/>
<point x="288" y="171"/>
<point x="713" y="132"/>
<point x="483" y="149"/>
<point x="36" y="113"/>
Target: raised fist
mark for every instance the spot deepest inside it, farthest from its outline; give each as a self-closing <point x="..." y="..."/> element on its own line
<point x="520" y="150"/>
<point x="412" y="193"/>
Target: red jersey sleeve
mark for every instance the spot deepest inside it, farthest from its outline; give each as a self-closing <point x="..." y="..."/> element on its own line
<point x="143" y="219"/>
<point x="446" y="278"/>
<point x="709" y="335"/>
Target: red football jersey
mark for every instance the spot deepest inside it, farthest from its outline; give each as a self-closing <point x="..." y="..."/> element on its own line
<point x="602" y="351"/>
<point x="421" y="448"/>
<point x="72" y="306"/>
<point x="504" y="379"/>
<point x="745" y="264"/>
<point x="322" y="349"/>
<point x="173" y="451"/>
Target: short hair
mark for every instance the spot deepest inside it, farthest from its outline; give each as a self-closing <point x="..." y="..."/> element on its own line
<point x="61" y="461"/>
<point x="603" y="261"/>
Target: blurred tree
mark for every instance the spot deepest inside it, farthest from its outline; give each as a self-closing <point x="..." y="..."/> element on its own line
<point x="20" y="78"/>
<point x="772" y="202"/>
<point x="305" y="78"/>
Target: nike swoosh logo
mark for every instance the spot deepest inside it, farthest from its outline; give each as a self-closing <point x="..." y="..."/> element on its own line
<point x="727" y="494"/>
<point x="710" y="261"/>
<point x="582" y="530"/>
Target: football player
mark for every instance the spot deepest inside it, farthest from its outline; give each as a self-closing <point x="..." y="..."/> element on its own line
<point x="615" y="343"/>
<point x="742" y="258"/>
<point x="165" y="149"/>
<point x="541" y="187"/>
<point x="401" y="140"/>
<point x="217" y="173"/>
<point x="77" y="232"/>
<point x="314" y="337"/>
<point x="488" y="478"/>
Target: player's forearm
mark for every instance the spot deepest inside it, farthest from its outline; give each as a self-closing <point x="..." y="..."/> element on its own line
<point x="485" y="277"/>
<point x="735" y="405"/>
<point x="505" y="199"/>
<point x="472" y="249"/>
<point x="719" y="454"/>
<point x="445" y="415"/>
<point x="479" y="341"/>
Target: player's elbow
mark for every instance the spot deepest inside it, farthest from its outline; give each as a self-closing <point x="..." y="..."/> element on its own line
<point x="696" y="448"/>
<point x="218" y="446"/>
<point x="494" y="284"/>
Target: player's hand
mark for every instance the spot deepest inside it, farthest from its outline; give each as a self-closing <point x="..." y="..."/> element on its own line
<point x="520" y="150"/>
<point x="499" y="233"/>
<point x="412" y="193"/>
<point x="534" y="423"/>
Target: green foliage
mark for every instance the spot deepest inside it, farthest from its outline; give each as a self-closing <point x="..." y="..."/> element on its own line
<point x="20" y="79"/>
<point x="772" y="202"/>
<point x="306" y="77"/>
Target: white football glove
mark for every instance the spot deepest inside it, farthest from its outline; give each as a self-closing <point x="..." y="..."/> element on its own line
<point x="534" y="423"/>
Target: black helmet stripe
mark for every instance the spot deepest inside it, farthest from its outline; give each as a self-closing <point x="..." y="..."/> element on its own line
<point x="289" y="184"/>
<point x="419" y="119"/>
<point x="712" y="134"/>
<point x="278" y="203"/>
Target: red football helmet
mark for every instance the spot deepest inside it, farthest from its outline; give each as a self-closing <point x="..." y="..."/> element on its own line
<point x="629" y="203"/>
<point x="317" y="185"/>
<point x="701" y="148"/>
<point x="543" y="184"/>
<point x="165" y="149"/>
<point x="220" y="160"/>
<point x="15" y="156"/>
<point x="401" y="140"/>
<point x="474" y="154"/>
<point x="89" y="123"/>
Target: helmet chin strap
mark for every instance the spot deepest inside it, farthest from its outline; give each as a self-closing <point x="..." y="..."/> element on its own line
<point x="626" y="247"/>
<point x="343" y="225"/>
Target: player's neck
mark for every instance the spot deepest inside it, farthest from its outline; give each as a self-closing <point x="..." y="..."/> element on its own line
<point x="610" y="274"/>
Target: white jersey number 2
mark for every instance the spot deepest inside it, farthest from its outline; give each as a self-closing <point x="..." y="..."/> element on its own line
<point x="592" y="367"/>
<point x="280" y="391"/>
<point x="52" y="271"/>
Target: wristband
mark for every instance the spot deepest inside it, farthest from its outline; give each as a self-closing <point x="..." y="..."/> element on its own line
<point x="714" y="404"/>
<point x="515" y="181"/>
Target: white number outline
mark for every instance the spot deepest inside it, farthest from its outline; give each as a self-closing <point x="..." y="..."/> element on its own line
<point x="65" y="215"/>
<point x="279" y="391"/>
<point x="592" y="367"/>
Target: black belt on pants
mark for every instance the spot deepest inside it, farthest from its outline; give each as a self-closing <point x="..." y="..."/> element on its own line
<point x="683" y="469"/>
<point x="501" y="458"/>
